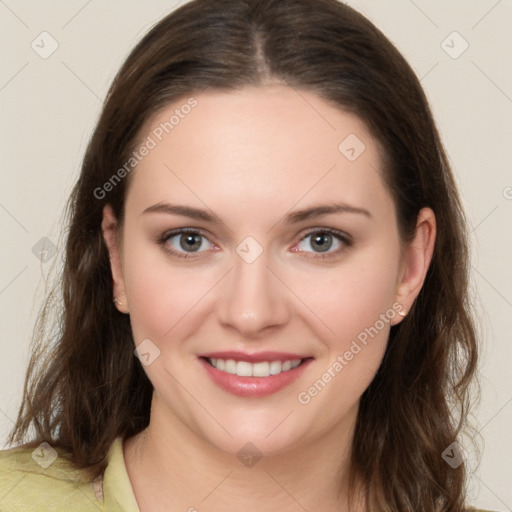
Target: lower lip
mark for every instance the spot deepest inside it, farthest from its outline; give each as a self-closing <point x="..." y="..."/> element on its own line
<point x="254" y="386"/>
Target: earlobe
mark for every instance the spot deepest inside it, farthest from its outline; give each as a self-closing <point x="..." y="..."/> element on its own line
<point x="109" y="227"/>
<point x="416" y="260"/>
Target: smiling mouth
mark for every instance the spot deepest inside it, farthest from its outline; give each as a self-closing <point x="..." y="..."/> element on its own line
<point x="259" y="369"/>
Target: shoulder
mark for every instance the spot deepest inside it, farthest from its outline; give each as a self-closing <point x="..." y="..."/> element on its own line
<point x="472" y="509"/>
<point x="41" y="479"/>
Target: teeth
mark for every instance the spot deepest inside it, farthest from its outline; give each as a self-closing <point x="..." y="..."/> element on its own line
<point x="246" y="369"/>
<point x="261" y="369"/>
<point x="275" y="367"/>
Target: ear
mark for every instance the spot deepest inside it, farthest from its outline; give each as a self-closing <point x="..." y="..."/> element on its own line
<point x="416" y="259"/>
<point x="109" y="227"/>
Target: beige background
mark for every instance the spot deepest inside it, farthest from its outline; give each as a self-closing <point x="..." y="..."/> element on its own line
<point x="49" y="107"/>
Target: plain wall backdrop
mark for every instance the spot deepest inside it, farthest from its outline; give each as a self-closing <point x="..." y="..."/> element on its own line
<point x="57" y="62"/>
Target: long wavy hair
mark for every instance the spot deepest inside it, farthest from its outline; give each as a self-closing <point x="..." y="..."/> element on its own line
<point x="84" y="386"/>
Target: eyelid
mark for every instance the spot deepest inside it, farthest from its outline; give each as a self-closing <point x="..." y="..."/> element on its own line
<point x="331" y="231"/>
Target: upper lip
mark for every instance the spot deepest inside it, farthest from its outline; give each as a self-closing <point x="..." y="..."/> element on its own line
<point x="256" y="357"/>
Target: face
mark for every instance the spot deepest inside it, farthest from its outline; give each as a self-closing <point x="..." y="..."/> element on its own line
<point x="259" y="229"/>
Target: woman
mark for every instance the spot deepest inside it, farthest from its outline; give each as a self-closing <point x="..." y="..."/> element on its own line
<point x="261" y="307"/>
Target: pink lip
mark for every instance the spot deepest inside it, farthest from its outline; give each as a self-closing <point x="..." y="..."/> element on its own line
<point x="255" y="387"/>
<point x="254" y="358"/>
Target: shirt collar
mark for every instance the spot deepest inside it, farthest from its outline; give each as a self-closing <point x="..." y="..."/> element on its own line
<point x="117" y="490"/>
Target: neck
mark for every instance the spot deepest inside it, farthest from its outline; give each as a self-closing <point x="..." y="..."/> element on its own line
<point x="171" y="468"/>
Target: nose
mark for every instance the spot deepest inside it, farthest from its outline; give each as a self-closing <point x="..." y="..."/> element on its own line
<point x="253" y="300"/>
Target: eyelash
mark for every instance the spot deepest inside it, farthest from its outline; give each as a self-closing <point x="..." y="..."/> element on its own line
<point x="345" y="239"/>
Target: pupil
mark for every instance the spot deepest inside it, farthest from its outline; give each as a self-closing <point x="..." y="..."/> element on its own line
<point x="191" y="242"/>
<point x="324" y="241"/>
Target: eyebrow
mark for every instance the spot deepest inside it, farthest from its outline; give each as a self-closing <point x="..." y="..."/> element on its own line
<point x="291" y="218"/>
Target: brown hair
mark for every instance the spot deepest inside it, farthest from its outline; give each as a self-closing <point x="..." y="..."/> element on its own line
<point x="84" y="385"/>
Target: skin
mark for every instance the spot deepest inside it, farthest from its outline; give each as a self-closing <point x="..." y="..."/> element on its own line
<point x="252" y="157"/>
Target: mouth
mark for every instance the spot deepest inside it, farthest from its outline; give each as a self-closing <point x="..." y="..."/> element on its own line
<point x="264" y="375"/>
<point x="260" y="369"/>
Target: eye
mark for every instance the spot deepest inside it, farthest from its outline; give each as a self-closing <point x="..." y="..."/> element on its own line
<point x="325" y="242"/>
<point x="184" y="242"/>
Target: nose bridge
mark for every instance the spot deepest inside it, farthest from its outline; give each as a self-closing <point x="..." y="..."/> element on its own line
<point x="253" y="298"/>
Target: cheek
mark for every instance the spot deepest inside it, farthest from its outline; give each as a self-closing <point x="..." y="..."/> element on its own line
<point x="355" y="302"/>
<point x="158" y="295"/>
<point x="352" y="297"/>
<point x="356" y="305"/>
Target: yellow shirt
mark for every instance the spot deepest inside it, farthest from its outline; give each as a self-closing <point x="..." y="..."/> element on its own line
<point x="35" y="480"/>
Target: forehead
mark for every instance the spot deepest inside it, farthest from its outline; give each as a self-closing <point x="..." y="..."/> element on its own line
<point x="262" y="147"/>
